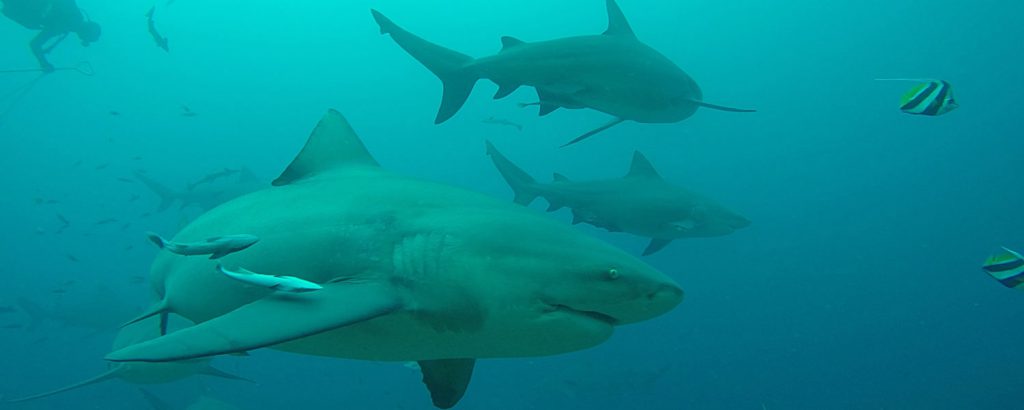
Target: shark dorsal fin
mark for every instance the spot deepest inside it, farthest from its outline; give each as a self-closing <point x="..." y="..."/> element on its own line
<point x="617" y="24"/>
<point x="332" y="145"/>
<point x="642" y="168"/>
<point x="559" y="178"/>
<point x="508" y="42"/>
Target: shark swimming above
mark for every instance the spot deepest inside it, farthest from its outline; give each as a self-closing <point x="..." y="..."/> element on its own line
<point x="641" y="203"/>
<point x="410" y="270"/>
<point x="141" y="373"/>
<point x="612" y="72"/>
<point x="206" y="192"/>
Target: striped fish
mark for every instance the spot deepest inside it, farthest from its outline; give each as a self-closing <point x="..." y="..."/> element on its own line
<point x="1007" y="267"/>
<point x="930" y="97"/>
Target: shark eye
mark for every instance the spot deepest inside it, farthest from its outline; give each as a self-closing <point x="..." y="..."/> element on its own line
<point x="613" y="274"/>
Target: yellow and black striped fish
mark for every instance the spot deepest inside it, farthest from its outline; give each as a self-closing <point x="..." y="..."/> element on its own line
<point x="930" y="97"/>
<point x="1007" y="267"/>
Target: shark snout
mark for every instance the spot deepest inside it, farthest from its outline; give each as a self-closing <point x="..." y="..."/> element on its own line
<point x="654" y="303"/>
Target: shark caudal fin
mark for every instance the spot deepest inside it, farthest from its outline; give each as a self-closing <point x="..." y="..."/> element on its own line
<point x="522" y="184"/>
<point x="167" y="196"/>
<point x="448" y="65"/>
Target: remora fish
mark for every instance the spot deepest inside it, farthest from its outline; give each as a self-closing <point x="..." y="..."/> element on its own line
<point x="613" y="73"/>
<point x="217" y="246"/>
<point x="641" y="203"/>
<point x="273" y="282"/>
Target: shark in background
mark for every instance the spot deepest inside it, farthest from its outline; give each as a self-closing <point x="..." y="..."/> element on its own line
<point x="141" y="373"/>
<point x="206" y="192"/>
<point x="641" y="203"/>
<point x="613" y="73"/>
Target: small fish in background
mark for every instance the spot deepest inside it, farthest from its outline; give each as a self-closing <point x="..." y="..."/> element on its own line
<point x="114" y="113"/>
<point x="1007" y="267"/>
<point x="126" y="180"/>
<point x="102" y="166"/>
<point x="72" y="258"/>
<point x="65" y="223"/>
<point x="187" y="112"/>
<point x="129" y="247"/>
<point x="931" y="97"/>
<point x="160" y="40"/>
<point x="13" y="326"/>
<point x="216" y="247"/>
<point x="134" y="197"/>
<point x="7" y="310"/>
<point x="136" y="280"/>
<point x="502" y="121"/>
<point x="76" y="164"/>
<point x="126" y="226"/>
<point x="37" y="201"/>
<point x="106" y="221"/>
<point x="59" y="291"/>
<point x="279" y="283"/>
<point x="137" y="158"/>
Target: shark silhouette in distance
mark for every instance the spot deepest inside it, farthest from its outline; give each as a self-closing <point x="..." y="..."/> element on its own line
<point x="206" y="192"/>
<point x="141" y="373"/>
<point x="613" y="73"/>
<point x="410" y="270"/>
<point x="641" y="203"/>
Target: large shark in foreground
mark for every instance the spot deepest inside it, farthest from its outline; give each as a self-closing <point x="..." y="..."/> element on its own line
<point x="411" y="271"/>
<point x="141" y="373"/>
<point x="613" y="73"/>
<point x="641" y="203"/>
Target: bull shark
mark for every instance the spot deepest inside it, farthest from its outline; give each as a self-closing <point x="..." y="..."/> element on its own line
<point x="140" y="372"/>
<point x="613" y="73"/>
<point x="410" y="270"/>
<point x="641" y="203"/>
<point x="205" y="193"/>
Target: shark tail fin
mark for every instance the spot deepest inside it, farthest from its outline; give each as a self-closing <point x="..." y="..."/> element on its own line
<point x="522" y="184"/>
<point x="448" y="65"/>
<point x="167" y="196"/>
<point x="107" y="375"/>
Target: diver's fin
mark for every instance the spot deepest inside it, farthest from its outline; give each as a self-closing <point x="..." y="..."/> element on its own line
<point x="642" y="168"/>
<point x="158" y="308"/>
<point x="447" y="379"/>
<point x="656" y="245"/>
<point x="293" y="316"/>
<point x="215" y="372"/>
<point x="617" y="24"/>
<point x="448" y="65"/>
<point x="720" y="107"/>
<point x="332" y="145"/>
<point x="107" y="375"/>
<point x="523" y="185"/>
<point x="591" y="133"/>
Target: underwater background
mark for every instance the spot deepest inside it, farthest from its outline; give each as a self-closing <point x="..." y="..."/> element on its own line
<point x="857" y="285"/>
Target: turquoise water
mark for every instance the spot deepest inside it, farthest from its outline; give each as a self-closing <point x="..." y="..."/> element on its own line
<point x="857" y="286"/>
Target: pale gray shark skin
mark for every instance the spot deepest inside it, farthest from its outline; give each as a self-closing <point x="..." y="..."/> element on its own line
<point x="613" y="73"/>
<point x="140" y="372"/>
<point x="641" y="203"/>
<point x="411" y="271"/>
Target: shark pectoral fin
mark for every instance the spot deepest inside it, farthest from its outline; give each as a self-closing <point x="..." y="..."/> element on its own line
<point x="591" y="133"/>
<point x="447" y="379"/>
<point x="159" y="308"/>
<point x="215" y="372"/>
<point x="107" y="375"/>
<point x="720" y="107"/>
<point x="656" y="245"/>
<point x="504" y="90"/>
<point x="277" y="318"/>
<point x="221" y="253"/>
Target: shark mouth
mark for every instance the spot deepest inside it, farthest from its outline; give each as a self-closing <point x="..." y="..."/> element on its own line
<point x="598" y="316"/>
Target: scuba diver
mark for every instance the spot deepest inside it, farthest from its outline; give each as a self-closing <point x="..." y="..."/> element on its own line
<point x="54" y="19"/>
